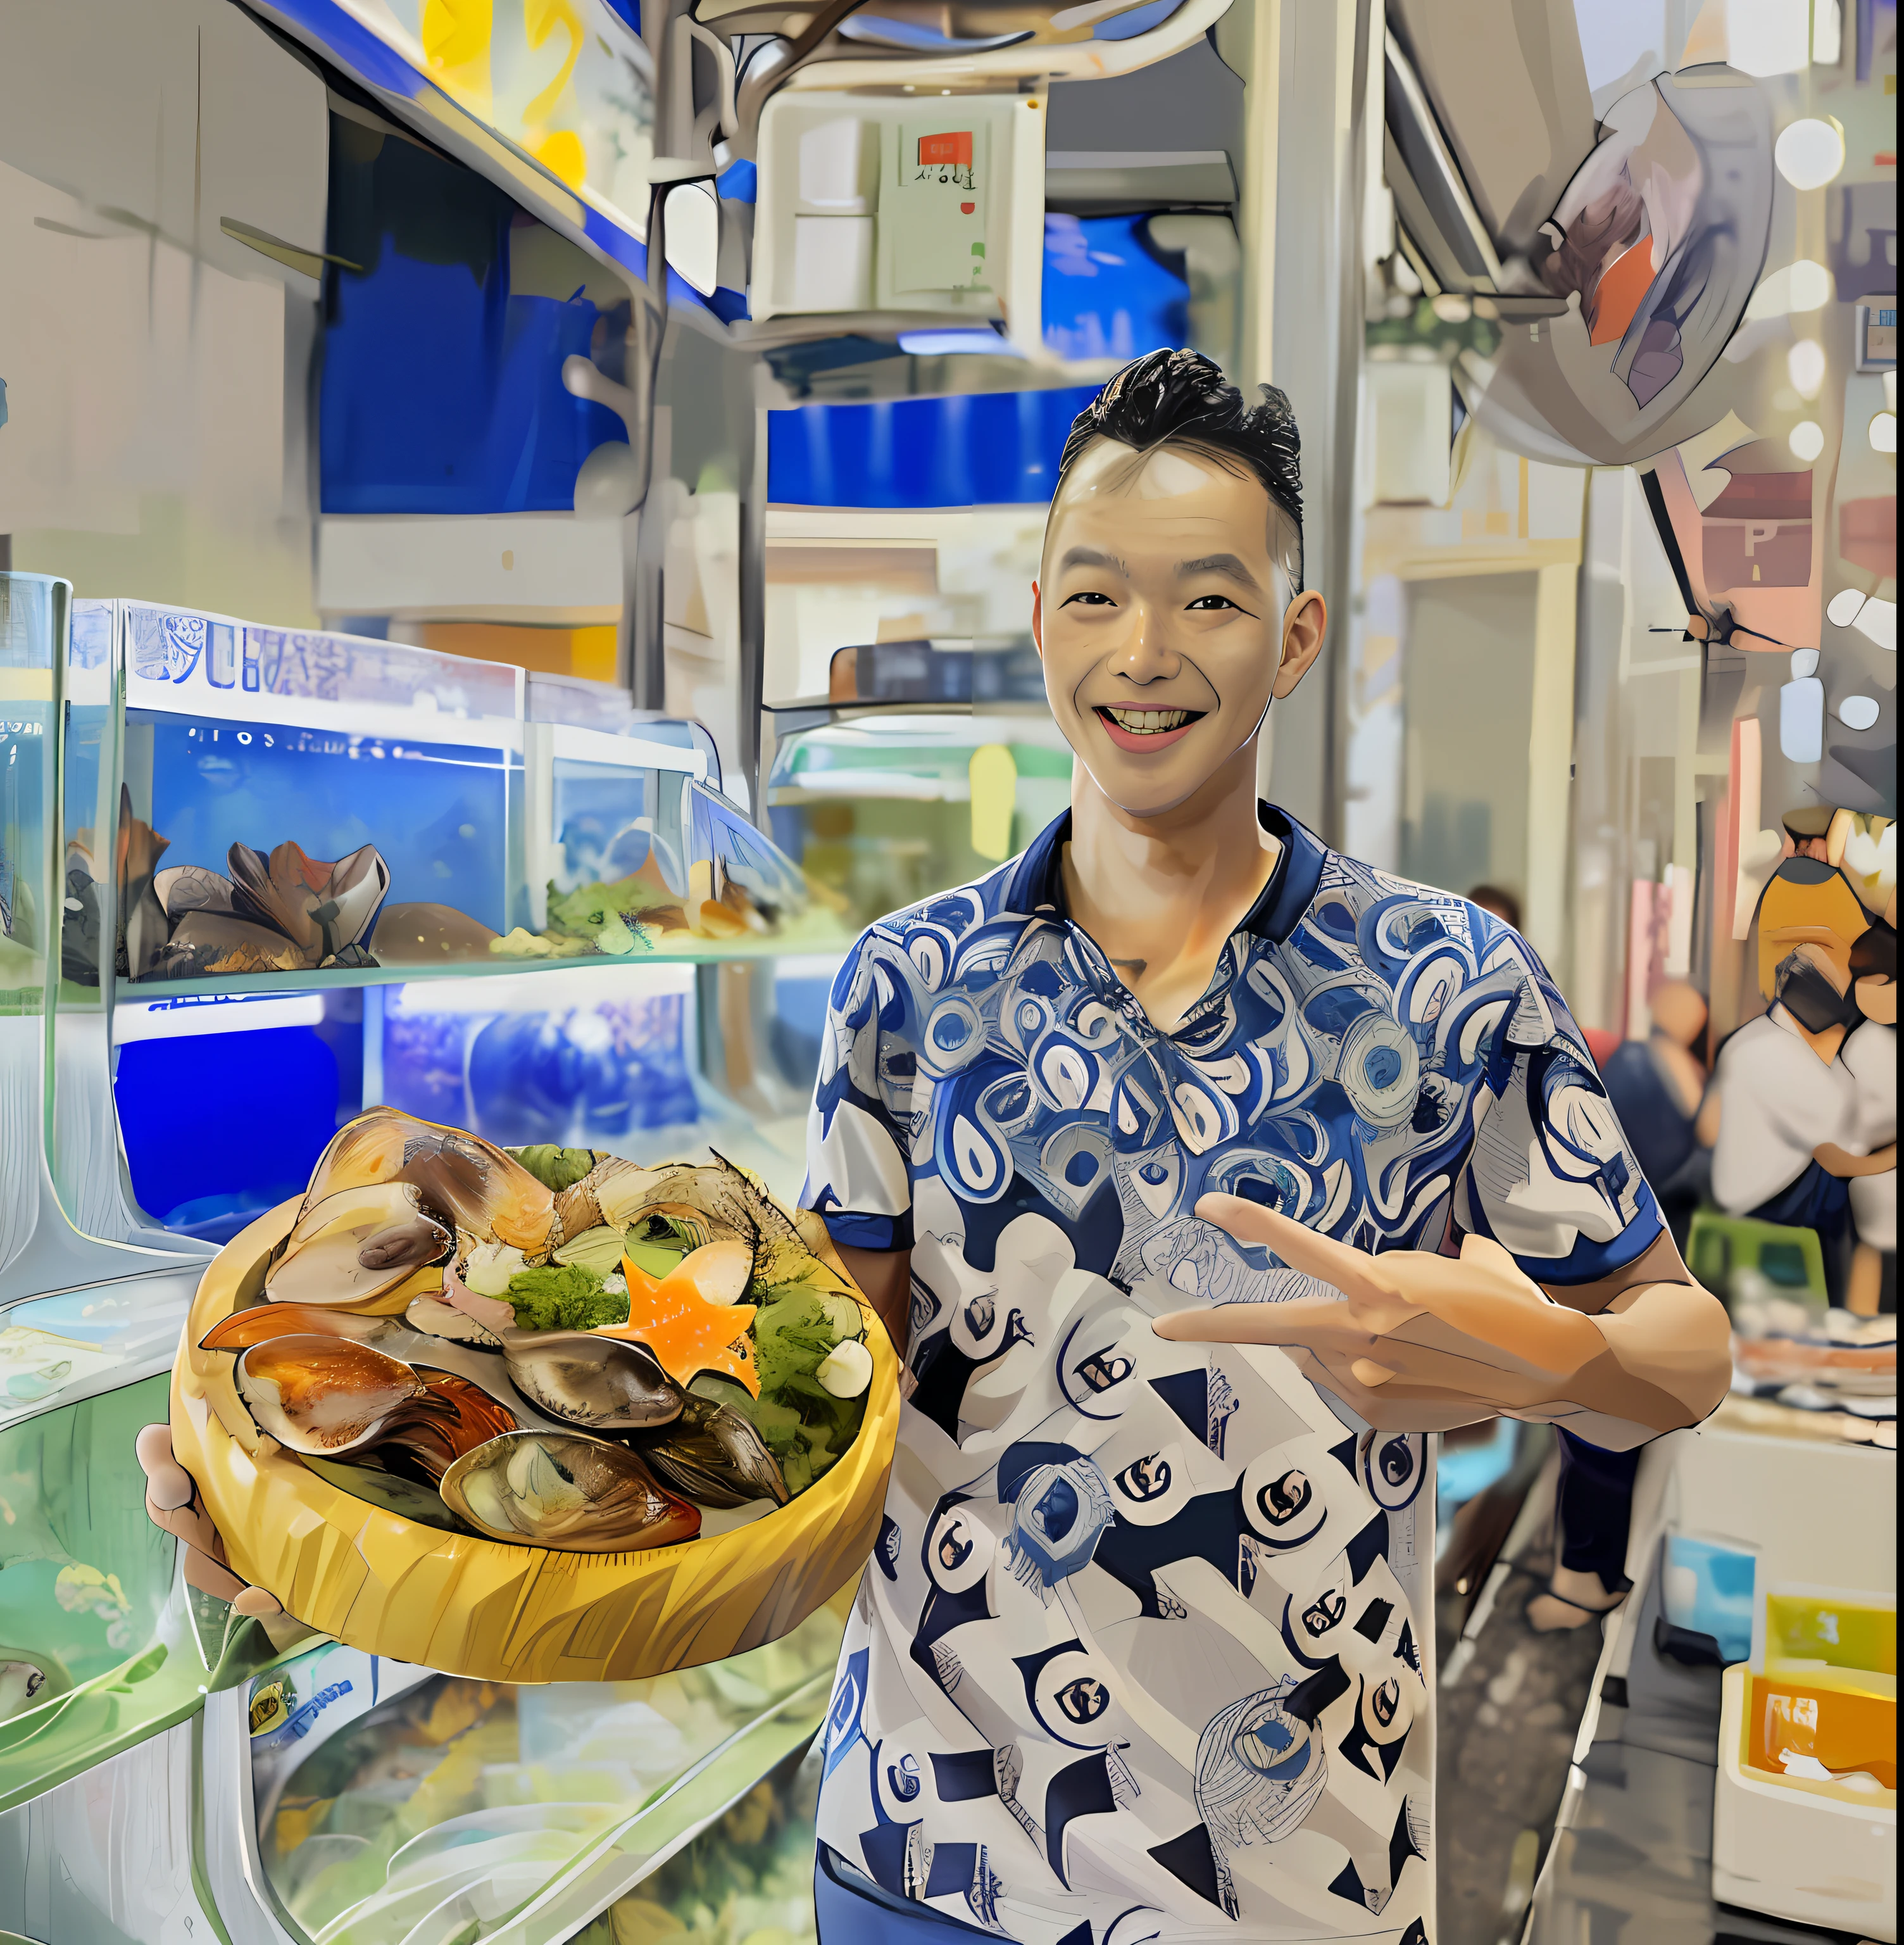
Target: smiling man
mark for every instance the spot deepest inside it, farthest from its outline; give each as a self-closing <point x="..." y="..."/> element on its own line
<point x="1199" y="1173"/>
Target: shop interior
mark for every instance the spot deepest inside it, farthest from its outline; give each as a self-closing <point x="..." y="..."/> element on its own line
<point x="560" y="481"/>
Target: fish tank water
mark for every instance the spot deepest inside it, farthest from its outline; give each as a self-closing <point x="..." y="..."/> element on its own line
<point x="284" y="797"/>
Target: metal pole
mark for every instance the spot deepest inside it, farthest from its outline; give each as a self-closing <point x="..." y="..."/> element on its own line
<point x="753" y="610"/>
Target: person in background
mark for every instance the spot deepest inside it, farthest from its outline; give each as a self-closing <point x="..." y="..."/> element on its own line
<point x="1502" y="905"/>
<point x="1596" y="1494"/>
<point x="1790" y="1139"/>
<point x="1870" y="1053"/>
<point x="1657" y="1086"/>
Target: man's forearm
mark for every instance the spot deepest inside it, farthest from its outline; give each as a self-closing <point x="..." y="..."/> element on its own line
<point x="1668" y="1359"/>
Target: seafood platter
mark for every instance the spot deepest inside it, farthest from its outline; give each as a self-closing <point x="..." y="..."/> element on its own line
<point x="536" y="1416"/>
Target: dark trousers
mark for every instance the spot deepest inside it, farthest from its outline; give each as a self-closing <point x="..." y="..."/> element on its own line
<point x="1595" y="1508"/>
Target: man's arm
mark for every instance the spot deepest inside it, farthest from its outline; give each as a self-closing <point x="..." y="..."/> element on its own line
<point x="1847" y="1166"/>
<point x="885" y="1277"/>
<point x="1425" y="1341"/>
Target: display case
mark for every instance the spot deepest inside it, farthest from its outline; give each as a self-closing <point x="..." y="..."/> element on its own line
<point x="372" y="1802"/>
<point x="546" y="923"/>
<point x="303" y="873"/>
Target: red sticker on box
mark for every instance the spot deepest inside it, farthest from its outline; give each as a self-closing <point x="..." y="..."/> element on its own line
<point x="946" y="151"/>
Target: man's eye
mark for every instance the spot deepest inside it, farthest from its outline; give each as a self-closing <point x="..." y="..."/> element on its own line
<point x="1212" y="602"/>
<point x="1092" y="598"/>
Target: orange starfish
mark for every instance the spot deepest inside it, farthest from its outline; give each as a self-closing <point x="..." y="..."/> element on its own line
<point x="688" y="1318"/>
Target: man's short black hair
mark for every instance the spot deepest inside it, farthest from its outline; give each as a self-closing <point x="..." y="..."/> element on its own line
<point x="1181" y="397"/>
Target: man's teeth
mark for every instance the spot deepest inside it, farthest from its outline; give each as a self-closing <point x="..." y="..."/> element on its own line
<point x="1151" y="721"/>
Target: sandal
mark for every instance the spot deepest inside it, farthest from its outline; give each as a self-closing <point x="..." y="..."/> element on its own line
<point x="1548" y="1587"/>
<point x="1581" y="1607"/>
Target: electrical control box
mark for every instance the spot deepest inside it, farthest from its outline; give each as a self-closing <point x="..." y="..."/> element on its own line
<point x="938" y="176"/>
<point x="893" y="204"/>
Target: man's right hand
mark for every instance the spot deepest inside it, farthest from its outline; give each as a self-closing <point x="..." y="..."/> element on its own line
<point x="172" y="1502"/>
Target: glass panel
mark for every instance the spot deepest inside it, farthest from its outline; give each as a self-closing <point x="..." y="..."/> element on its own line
<point x="385" y="1794"/>
<point x="650" y="1061"/>
<point x="97" y="1648"/>
<point x="878" y="808"/>
<point x="747" y="1879"/>
<point x="33" y="622"/>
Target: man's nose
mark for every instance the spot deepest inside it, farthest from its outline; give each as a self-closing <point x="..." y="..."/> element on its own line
<point x="1147" y="654"/>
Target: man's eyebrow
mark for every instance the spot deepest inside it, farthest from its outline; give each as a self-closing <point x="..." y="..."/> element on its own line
<point x="1085" y="556"/>
<point x="1226" y="564"/>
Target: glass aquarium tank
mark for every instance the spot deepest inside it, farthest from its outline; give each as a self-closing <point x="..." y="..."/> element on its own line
<point x="390" y="1804"/>
<point x="306" y="872"/>
<point x="33" y="609"/>
<point x="883" y="804"/>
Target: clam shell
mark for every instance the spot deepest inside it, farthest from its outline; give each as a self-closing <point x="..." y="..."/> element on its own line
<point x="565" y="1490"/>
<point x="326" y="1396"/>
<point x="608" y="1384"/>
<point x="356" y="1246"/>
<point x="462" y="1416"/>
<point x="716" y="1457"/>
<point x="261" y="1322"/>
<point x="461" y="1176"/>
<point x="435" y="1318"/>
<point x="727" y="1199"/>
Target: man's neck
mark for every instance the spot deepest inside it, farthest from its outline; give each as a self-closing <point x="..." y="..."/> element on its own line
<point x="1160" y="894"/>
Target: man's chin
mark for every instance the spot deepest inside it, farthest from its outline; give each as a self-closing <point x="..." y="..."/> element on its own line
<point x="1144" y="785"/>
<point x="1149" y="790"/>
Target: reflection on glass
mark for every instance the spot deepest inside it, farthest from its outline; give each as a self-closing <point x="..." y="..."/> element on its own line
<point x="74" y="1341"/>
<point x="385" y="1794"/>
<point x="747" y="1880"/>
<point x="882" y="809"/>
<point x="83" y="1573"/>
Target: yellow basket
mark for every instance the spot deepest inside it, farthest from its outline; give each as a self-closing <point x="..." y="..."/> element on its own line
<point x="478" y="1608"/>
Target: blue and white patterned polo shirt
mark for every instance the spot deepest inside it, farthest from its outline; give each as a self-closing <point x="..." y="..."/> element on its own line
<point x="1143" y="1652"/>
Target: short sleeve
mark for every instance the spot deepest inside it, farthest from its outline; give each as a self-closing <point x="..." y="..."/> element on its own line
<point x="1551" y="1176"/>
<point x="858" y="1170"/>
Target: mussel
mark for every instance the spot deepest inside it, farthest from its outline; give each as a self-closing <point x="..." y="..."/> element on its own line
<point x="473" y="1184"/>
<point x="331" y="1396"/>
<point x="607" y="1384"/>
<point x="713" y="1456"/>
<point x="464" y="1416"/>
<point x="357" y="1246"/>
<point x="567" y="1491"/>
<point x="261" y="1322"/>
<point x="433" y="1317"/>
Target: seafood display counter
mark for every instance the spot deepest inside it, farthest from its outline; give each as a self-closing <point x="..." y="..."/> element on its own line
<point x="298" y="874"/>
<point x="253" y="883"/>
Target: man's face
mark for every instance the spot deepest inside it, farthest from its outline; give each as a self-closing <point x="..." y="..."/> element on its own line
<point x="1159" y="619"/>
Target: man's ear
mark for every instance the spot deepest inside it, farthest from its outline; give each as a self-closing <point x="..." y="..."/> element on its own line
<point x="1038" y="620"/>
<point x="1304" y="623"/>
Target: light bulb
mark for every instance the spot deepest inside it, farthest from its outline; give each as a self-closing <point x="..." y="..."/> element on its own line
<point x="1810" y="152"/>
<point x="1805" y="365"/>
<point x="1807" y="440"/>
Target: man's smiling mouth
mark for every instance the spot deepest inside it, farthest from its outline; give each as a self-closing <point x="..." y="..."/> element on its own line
<point x="1148" y="721"/>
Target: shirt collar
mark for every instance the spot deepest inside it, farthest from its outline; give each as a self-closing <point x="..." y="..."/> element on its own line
<point x="1038" y="881"/>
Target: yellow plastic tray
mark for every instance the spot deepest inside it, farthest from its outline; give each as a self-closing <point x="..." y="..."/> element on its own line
<point x="478" y="1608"/>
